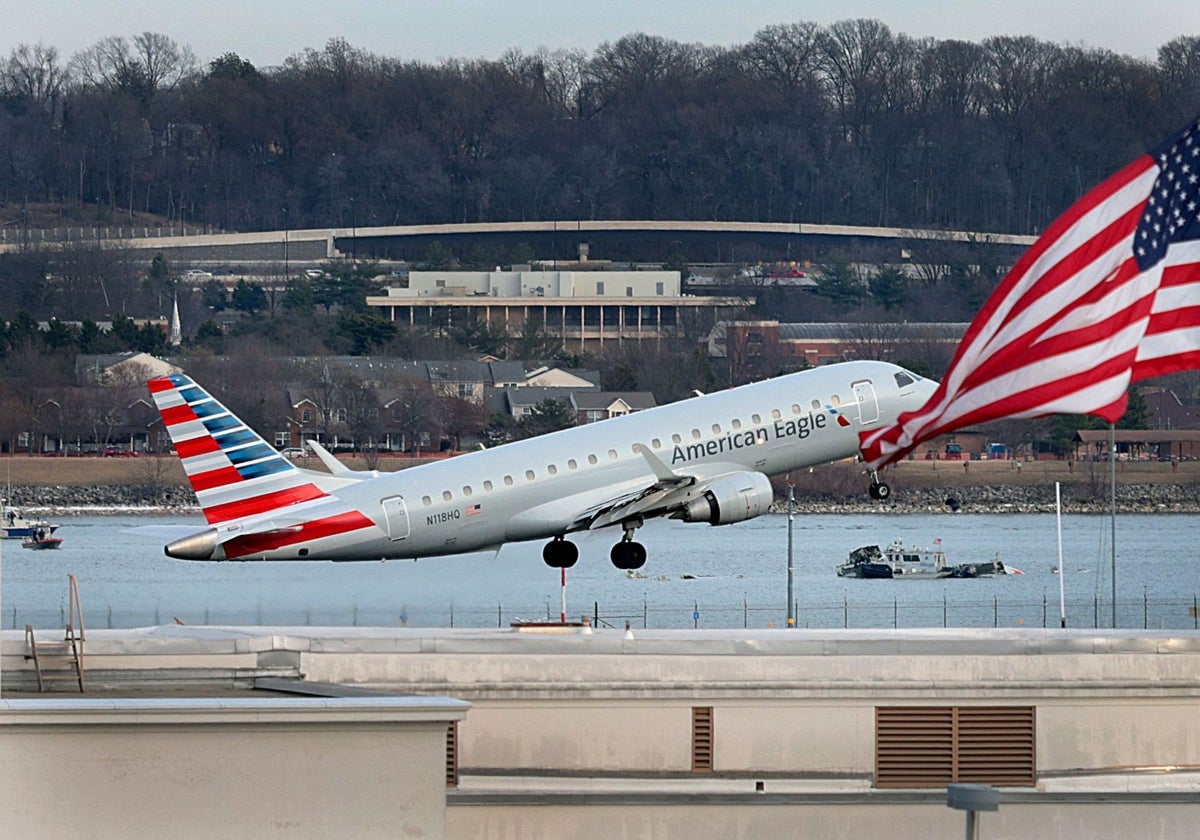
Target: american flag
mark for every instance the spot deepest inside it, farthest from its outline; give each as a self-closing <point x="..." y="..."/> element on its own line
<point x="1108" y="295"/>
<point x="473" y="509"/>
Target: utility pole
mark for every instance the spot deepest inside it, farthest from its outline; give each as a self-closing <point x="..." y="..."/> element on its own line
<point x="791" y="569"/>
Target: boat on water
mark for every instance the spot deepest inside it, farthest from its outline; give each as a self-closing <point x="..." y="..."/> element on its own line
<point x="14" y="526"/>
<point x="42" y="543"/>
<point x="902" y="562"/>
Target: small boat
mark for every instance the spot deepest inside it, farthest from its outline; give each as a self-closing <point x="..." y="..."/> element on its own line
<point x="908" y="563"/>
<point x="14" y="526"/>
<point x="42" y="543"/>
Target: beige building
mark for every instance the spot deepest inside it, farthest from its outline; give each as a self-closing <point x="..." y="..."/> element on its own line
<point x="695" y="735"/>
<point x="583" y="307"/>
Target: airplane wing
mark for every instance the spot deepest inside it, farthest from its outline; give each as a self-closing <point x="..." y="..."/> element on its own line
<point x="668" y="493"/>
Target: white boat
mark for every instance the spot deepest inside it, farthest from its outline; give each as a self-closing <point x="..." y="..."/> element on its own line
<point x="14" y="526"/>
<point x="909" y="563"/>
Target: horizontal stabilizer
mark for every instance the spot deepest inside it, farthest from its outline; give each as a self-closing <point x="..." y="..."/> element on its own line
<point x="335" y="466"/>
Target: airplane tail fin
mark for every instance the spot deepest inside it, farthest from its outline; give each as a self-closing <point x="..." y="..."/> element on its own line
<point x="233" y="471"/>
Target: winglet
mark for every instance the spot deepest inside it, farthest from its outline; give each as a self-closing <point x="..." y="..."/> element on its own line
<point x="661" y="471"/>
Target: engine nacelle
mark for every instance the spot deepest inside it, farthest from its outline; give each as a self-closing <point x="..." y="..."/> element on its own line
<point x="734" y="498"/>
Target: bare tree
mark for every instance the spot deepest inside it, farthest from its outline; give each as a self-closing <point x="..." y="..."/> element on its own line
<point x="143" y="64"/>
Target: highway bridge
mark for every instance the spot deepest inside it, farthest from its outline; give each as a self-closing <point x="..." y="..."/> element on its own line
<point x="561" y="239"/>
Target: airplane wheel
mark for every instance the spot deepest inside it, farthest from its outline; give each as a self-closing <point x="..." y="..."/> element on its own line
<point x="628" y="555"/>
<point x="880" y="491"/>
<point x="560" y="554"/>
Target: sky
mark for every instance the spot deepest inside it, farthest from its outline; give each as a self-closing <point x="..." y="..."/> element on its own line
<point x="266" y="33"/>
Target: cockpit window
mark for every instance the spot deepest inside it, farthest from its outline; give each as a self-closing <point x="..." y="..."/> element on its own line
<point x="904" y="379"/>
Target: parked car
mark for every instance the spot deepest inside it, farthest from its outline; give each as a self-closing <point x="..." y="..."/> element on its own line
<point x="118" y="452"/>
<point x="293" y="452"/>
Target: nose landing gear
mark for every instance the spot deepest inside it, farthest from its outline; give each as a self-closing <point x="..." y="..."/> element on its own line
<point x="877" y="489"/>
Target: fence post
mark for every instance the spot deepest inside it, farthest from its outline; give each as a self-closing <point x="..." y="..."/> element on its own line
<point x="645" y="613"/>
<point x="695" y="615"/>
<point x="895" y="612"/>
<point x="995" y="610"/>
<point x="1044" y="605"/>
<point x="1145" y="609"/>
<point x="745" y="613"/>
<point x="944" y="610"/>
<point x="845" y="611"/>
<point x="451" y="613"/>
<point x="596" y="614"/>
<point x="1195" y="614"/>
<point x="499" y="615"/>
<point x="1095" y="611"/>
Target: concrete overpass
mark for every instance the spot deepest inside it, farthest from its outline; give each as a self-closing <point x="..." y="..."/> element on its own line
<point x="617" y="240"/>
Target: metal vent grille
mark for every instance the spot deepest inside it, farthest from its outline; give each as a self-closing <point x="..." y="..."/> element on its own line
<point x="702" y="739"/>
<point x="996" y="745"/>
<point x="933" y="746"/>
<point x="452" y="755"/>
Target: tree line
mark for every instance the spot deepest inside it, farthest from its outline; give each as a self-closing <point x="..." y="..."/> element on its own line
<point x="848" y="123"/>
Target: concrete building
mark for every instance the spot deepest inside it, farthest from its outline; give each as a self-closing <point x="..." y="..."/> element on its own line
<point x="666" y="734"/>
<point x="584" y="308"/>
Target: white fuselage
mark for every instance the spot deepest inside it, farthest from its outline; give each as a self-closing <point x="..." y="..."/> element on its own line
<point x="541" y="487"/>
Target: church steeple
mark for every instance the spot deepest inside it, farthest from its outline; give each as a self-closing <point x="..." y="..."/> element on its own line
<point x="176" y="329"/>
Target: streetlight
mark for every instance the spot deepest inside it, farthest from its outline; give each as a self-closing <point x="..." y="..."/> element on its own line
<point x="972" y="799"/>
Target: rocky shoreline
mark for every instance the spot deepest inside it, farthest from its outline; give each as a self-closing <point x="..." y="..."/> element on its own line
<point x="1131" y="498"/>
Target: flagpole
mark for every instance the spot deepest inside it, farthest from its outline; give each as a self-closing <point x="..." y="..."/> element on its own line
<point x="1062" y="601"/>
<point x="1112" y="496"/>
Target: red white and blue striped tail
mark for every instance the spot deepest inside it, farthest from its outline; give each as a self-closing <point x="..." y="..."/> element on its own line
<point x="233" y="471"/>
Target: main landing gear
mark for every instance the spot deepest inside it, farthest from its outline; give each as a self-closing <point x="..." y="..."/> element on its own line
<point x="878" y="490"/>
<point x="560" y="553"/>
<point x="626" y="555"/>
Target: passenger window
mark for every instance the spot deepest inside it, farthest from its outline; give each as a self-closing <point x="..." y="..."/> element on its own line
<point x="737" y="424"/>
<point x="487" y="486"/>
<point x="446" y="495"/>
<point x="552" y="470"/>
<point x="656" y="444"/>
<point x="676" y="439"/>
<point x="775" y="414"/>
<point x="612" y="454"/>
<point x="696" y="434"/>
<point x="467" y="490"/>
<point x="571" y="464"/>
<point x="755" y="419"/>
<point x="508" y="481"/>
<point x="795" y="409"/>
<point x="426" y="501"/>
<point x="716" y="428"/>
<point x="592" y="459"/>
<point x="529" y="475"/>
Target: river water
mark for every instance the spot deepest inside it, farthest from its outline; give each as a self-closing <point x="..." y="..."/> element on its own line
<point x="696" y="576"/>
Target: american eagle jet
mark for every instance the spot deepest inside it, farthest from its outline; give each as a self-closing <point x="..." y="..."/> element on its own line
<point x="704" y="459"/>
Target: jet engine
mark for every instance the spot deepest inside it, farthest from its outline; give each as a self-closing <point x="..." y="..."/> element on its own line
<point x="733" y="498"/>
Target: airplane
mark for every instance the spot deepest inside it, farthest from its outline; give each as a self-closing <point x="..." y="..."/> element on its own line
<point x="705" y="459"/>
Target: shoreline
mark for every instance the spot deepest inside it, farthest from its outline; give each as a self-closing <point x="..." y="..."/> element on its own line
<point x="157" y="486"/>
<point x="803" y="507"/>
